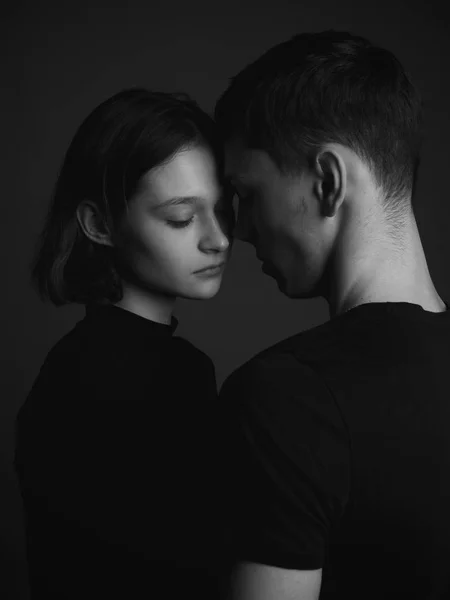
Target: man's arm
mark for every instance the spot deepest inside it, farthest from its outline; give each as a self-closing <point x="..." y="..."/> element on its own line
<point x="252" y="581"/>
<point x="286" y="457"/>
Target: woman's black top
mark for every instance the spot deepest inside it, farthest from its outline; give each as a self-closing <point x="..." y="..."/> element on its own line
<point x="115" y="453"/>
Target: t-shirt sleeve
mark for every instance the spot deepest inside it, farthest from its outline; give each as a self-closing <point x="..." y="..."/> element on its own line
<point x="286" y="455"/>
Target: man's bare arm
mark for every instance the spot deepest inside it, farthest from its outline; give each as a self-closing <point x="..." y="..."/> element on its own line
<point x="252" y="581"/>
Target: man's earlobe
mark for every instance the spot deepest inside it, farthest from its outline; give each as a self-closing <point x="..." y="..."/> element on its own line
<point x="93" y="224"/>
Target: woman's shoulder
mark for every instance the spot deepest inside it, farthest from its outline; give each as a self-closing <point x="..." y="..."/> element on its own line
<point x="77" y="355"/>
<point x="75" y="347"/>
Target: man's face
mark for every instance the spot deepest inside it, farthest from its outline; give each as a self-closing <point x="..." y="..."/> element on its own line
<point x="280" y="216"/>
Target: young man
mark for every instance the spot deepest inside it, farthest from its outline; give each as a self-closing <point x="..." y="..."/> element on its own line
<point x="338" y="441"/>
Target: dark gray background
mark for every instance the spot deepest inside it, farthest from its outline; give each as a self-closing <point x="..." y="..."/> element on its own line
<point x="61" y="59"/>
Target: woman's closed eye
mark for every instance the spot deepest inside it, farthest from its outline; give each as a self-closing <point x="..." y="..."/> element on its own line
<point x="224" y="210"/>
<point x="179" y="223"/>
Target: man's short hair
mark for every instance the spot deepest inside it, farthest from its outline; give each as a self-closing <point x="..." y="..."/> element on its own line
<point x="329" y="87"/>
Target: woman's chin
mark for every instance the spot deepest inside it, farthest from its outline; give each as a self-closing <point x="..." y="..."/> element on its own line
<point x="203" y="292"/>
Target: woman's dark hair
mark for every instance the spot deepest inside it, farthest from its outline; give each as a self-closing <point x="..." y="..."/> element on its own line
<point x="319" y="88"/>
<point x="127" y="135"/>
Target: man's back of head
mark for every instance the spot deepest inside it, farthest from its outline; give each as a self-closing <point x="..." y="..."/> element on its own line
<point x="329" y="87"/>
<point x="342" y="114"/>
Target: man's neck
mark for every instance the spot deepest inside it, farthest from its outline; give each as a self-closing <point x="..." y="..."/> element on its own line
<point x="381" y="271"/>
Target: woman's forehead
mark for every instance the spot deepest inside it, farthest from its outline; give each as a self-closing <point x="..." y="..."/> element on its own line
<point x="188" y="176"/>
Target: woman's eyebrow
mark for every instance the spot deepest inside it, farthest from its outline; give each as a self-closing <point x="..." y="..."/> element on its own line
<point x="176" y="200"/>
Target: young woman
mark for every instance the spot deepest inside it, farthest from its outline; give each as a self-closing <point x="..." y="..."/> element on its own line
<point x="115" y="443"/>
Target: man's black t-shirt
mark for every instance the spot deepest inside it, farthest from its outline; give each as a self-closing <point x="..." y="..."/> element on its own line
<point x="338" y="448"/>
<point x="116" y="462"/>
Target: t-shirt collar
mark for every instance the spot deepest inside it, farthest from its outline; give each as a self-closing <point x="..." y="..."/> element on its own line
<point x="126" y="322"/>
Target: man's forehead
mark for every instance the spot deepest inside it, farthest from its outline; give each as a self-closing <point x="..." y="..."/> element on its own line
<point x="242" y="162"/>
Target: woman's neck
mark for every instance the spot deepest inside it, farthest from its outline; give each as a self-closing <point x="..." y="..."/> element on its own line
<point x="148" y="304"/>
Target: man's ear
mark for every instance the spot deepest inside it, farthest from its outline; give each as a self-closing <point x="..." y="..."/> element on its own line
<point x="330" y="184"/>
<point x="93" y="224"/>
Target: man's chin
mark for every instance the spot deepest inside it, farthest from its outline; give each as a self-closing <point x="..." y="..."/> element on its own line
<point x="282" y="284"/>
<point x="295" y="291"/>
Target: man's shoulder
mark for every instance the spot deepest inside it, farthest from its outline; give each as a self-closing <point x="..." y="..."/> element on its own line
<point x="336" y="345"/>
<point x="279" y="399"/>
<point x="292" y="357"/>
<point x="280" y="379"/>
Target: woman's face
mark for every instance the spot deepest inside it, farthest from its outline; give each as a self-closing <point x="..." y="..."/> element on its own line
<point x="177" y="224"/>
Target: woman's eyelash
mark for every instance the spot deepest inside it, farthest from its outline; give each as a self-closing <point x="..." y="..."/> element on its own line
<point x="179" y="224"/>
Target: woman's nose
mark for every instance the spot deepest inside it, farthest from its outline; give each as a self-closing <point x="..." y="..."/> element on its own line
<point x="215" y="237"/>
